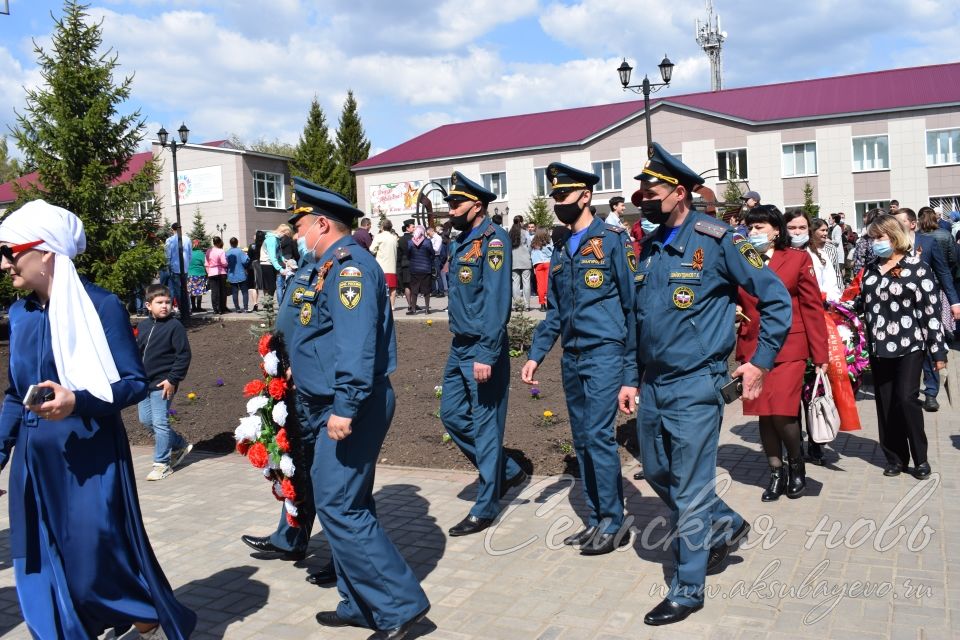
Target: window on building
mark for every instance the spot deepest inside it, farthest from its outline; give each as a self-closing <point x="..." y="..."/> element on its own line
<point x="799" y="159"/>
<point x="268" y="190"/>
<point x="871" y="153"/>
<point x="863" y="207"/>
<point x="436" y="198"/>
<point x="543" y="183"/>
<point x="144" y="207"/>
<point x="943" y="147"/>
<point x="609" y="173"/>
<point x="945" y="203"/>
<point x="732" y="164"/>
<point x="496" y="182"/>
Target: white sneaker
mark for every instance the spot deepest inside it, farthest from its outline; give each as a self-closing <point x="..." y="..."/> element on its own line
<point x="177" y="455"/>
<point x="159" y="472"/>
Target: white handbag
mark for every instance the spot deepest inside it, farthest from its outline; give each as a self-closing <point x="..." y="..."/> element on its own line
<point x="823" y="420"/>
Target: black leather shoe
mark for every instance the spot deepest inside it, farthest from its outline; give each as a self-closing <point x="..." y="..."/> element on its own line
<point x="668" y="612"/>
<point x="796" y="478"/>
<point x="324" y="578"/>
<point x="398" y="633"/>
<point x="815" y="454"/>
<point x="331" y="619"/>
<point x="922" y="471"/>
<point x="470" y="524"/>
<point x="515" y="481"/>
<point x="719" y="553"/>
<point x="930" y="404"/>
<point x="605" y="543"/>
<point x="892" y="470"/>
<point x="639" y="475"/>
<point x="581" y="537"/>
<point x="778" y="484"/>
<point x="263" y="545"/>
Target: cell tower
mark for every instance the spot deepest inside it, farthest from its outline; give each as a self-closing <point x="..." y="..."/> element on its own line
<point x="710" y="38"/>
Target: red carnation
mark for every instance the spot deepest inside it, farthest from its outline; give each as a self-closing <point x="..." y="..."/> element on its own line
<point x="136" y="332"/>
<point x="243" y="447"/>
<point x="253" y="388"/>
<point x="282" y="441"/>
<point x="277" y="388"/>
<point x="292" y="521"/>
<point x="288" y="491"/>
<point x="264" y="345"/>
<point x="257" y="454"/>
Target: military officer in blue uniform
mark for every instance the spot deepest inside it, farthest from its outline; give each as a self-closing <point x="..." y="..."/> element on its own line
<point x="590" y="306"/>
<point x="476" y="380"/>
<point x="342" y="351"/>
<point x="686" y="285"/>
<point x="286" y="542"/>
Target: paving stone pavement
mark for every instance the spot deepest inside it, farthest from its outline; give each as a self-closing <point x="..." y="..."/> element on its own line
<point x="885" y="570"/>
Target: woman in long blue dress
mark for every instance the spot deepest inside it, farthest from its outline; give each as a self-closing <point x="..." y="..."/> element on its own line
<point x="81" y="557"/>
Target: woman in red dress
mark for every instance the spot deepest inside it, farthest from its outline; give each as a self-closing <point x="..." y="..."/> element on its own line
<point x="779" y="404"/>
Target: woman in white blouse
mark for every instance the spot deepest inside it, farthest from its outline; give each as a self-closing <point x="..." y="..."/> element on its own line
<point x="812" y="236"/>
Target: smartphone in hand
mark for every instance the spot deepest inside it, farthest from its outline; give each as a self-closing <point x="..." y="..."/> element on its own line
<point x="37" y="395"/>
<point x="732" y="390"/>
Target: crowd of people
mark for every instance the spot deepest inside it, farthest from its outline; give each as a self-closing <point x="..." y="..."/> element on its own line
<point x="647" y="318"/>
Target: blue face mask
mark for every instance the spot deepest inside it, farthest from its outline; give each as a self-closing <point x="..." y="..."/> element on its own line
<point x="882" y="248"/>
<point x="760" y="241"/>
<point x="302" y="246"/>
<point x="648" y="227"/>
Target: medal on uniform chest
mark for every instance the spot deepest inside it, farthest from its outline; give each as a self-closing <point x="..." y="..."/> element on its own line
<point x="594" y="247"/>
<point x="324" y="270"/>
<point x="306" y="312"/>
<point x="698" y="259"/>
<point x="593" y="278"/>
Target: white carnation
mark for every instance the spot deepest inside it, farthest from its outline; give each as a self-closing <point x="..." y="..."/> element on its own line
<point x="290" y="507"/>
<point x="270" y="363"/>
<point x="287" y="466"/>
<point x="280" y="413"/>
<point x="249" y="429"/>
<point x="256" y="403"/>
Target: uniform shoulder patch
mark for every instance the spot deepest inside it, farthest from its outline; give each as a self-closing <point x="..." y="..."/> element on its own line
<point x="615" y="228"/>
<point x="713" y="229"/>
<point x="350" y="272"/>
<point x="341" y="254"/>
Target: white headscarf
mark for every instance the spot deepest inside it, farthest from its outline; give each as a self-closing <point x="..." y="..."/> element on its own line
<point x="80" y="348"/>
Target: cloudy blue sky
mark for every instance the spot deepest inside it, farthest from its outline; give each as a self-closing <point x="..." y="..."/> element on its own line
<point x="252" y="67"/>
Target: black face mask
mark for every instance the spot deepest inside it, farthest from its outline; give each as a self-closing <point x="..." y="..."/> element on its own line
<point x="568" y="213"/>
<point x="461" y="223"/>
<point x="653" y="211"/>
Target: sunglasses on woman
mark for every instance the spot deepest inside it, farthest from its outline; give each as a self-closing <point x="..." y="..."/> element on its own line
<point x="10" y="251"/>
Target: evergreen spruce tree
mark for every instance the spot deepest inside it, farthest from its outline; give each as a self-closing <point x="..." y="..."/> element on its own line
<point x="199" y="231"/>
<point x="74" y="135"/>
<point x="539" y="213"/>
<point x="352" y="147"/>
<point x="9" y="167"/>
<point x="315" y="156"/>
<point x="809" y="208"/>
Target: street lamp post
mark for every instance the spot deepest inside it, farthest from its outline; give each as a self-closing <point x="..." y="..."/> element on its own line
<point x="221" y="228"/>
<point x="646" y="88"/>
<point x="162" y="136"/>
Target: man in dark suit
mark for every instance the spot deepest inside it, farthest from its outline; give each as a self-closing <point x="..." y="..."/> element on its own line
<point x="929" y="251"/>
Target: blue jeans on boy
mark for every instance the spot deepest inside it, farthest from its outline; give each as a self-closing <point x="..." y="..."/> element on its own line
<point x="154" y="414"/>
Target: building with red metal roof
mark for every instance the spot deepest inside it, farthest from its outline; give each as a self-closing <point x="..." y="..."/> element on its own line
<point x="859" y="140"/>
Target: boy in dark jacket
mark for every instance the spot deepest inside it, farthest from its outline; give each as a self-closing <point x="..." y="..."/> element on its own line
<point x="165" y="351"/>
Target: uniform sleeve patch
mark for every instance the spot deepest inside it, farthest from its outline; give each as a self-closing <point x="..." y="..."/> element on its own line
<point x="350" y="272"/>
<point x="752" y="256"/>
<point x="495" y="259"/>
<point x="350" y="293"/>
<point x="712" y="229"/>
<point x="496" y="243"/>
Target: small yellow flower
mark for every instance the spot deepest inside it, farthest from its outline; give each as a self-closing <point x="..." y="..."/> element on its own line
<point x="548" y="414"/>
<point x="429" y="323"/>
<point x="191" y="396"/>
